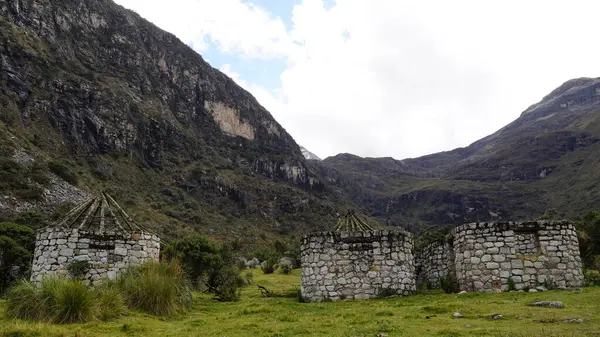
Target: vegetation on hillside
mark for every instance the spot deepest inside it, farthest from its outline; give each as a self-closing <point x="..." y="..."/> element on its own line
<point x="156" y="147"/>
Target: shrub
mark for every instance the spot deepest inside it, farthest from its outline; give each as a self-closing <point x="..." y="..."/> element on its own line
<point x="227" y="285"/>
<point x="268" y="266"/>
<point x="157" y="288"/>
<point x="592" y="277"/>
<point x="240" y="264"/>
<point x="30" y="193"/>
<point x="549" y="284"/>
<point x="63" y="171"/>
<point x="300" y="297"/>
<point x="249" y="277"/>
<point x="17" y="243"/>
<point x="511" y="285"/>
<point x="58" y="300"/>
<point x="38" y="173"/>
<point x="447" y="284"/>
<point x="208" y="264"/>
<point x="286" y="269"/>
<point x="78" y="269"/>
<point x="197" y="254"/>
<point x="386" y="292"/>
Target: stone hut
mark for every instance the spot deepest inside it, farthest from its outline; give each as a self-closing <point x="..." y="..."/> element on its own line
<point x="97" y="231"/>
<point x="356" y="262"/>
<point x="485" y="256"/>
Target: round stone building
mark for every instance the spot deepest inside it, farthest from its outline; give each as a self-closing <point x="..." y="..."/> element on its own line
<point x="496" y="256"/>
<point x="356" y="262"/>
<point x="537" y="253"/>
<point x="99" y="232"/>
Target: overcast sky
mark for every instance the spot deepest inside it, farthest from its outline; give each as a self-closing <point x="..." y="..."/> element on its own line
<point x="389" y="77"/>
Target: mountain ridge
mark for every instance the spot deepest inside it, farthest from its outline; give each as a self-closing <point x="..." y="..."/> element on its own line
<point x="97" y="93"/>
<point x="94" y="97"/>
<point x="503" y="175"/>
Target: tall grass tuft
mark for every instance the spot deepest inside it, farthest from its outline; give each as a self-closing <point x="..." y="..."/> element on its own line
<point x="110" y="303"/>
<point x="58" y="300"/>
<point x="23" y="301"/>
<point x="157" y="288"/>
<point x="73" y="303"/>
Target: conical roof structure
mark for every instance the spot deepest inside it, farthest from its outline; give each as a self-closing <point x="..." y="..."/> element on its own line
<point x="352" y="223"/>
<point x="99" y="214"/>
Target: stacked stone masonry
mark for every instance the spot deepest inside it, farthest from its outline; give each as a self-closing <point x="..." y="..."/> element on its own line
<point x="478" y="257"/>
<point x="485" y="256"/>
<point x="433" y="263"/>
<point x="488" y="255"/>
<point x="107" y="252"/>
<point x="356" y="265"/>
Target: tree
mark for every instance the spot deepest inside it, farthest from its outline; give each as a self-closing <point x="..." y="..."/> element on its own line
<point x="207" y="263"/>
<point x="589" y="239"/>
<point x="16" y="246"/>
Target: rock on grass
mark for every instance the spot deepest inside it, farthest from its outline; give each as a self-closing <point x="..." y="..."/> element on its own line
<point x="555" y="304"/>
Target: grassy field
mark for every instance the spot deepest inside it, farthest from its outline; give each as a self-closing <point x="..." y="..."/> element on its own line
<point x="283" y="315"/>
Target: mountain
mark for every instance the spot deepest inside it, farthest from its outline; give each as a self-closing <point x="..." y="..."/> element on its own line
<point x="548" y="158"/>
<point x="308" y="155"/>
<point x="93" y="97"/>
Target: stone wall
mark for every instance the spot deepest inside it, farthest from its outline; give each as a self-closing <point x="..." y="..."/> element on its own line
<point x="107" y="252"/>
<point x="487" y="255"/>
<point x="356" y="265"/>
<point x="433" y="262"/>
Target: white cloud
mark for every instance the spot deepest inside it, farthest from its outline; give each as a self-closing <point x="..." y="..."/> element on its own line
<point x="414" y="77"/>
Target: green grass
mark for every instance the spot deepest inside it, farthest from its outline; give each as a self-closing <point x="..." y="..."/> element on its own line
<point x="402" y="316"/>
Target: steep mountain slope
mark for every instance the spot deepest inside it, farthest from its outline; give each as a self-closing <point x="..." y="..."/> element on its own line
<point x="93" y="93"/>
<point x="547" y="158"/>
<point x="308" y="155"/>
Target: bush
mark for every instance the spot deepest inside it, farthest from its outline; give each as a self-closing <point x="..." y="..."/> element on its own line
<point x="228" y="283"/>
<point x="268" y="266"/>
<point x="511" y="285"/>
<point x="386" y="292"/>
<point x="39" y="174"/>
<point x="592" y="277"/>
<point x="249" y="277"/>
<point x="63" y="171"/>
<point x="197" y="254"/>
<point x="30" y="193"/>
<point x="447" y="284"/>
<point x="299" y="296"/>
<point x="208" y="264"/>
<point x="78" y="269"/>
<point x="58" y="300"/>
<point x="286" y="269"/>
<point x="17" y="243"/>
<point x="157" y="288"/>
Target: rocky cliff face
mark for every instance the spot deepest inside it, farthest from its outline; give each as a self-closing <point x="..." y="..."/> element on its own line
<point x="94" y="97"/>
<point x="309" y="155"/>
<point x="544" y="160"/>
<point x="133" y="109"/>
